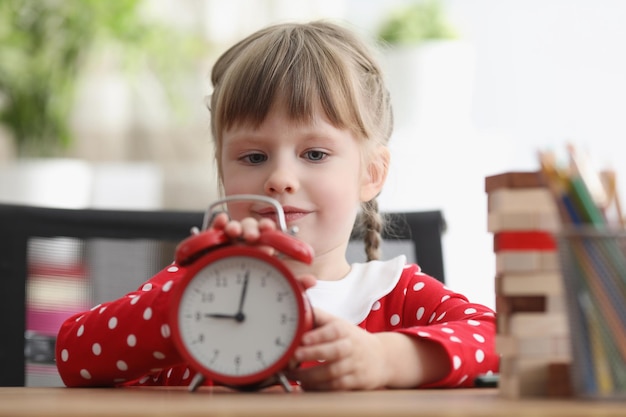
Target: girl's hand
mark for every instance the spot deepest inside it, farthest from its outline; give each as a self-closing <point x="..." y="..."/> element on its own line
<point x="350" y="357"/>
<point x="249" y="230"/>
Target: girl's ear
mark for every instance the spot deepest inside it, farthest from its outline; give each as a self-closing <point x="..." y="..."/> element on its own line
<point x="375" y="175"/>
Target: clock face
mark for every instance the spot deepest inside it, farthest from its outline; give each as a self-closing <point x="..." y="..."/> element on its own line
<point x="239" y="317"/>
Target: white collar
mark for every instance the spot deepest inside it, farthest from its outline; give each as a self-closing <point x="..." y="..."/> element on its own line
<point x="352" y="297"/>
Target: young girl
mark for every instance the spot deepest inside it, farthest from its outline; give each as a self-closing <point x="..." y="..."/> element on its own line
<point x="300" y="113"/>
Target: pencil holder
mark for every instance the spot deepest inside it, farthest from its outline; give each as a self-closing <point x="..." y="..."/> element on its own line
<point x="593" y="265"/>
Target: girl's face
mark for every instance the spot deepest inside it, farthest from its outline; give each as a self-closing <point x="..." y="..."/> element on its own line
<point x="313" y="169"/>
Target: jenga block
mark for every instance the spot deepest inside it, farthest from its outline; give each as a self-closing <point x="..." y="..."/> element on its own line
<point x="521" y="304"/>
<point x="521" y="377"/>
<point x="526" y="325"/>
<point x="522" y="240"/>
<point x="526" y="261"/>
<point x="559" y="380"/>
<point x="507" y="306"/>
<point x="556" y="304"/>
<point x="551" y="348"/>
<point x="529" y="283"/>
<point x="524" y="220"/>
<point x="521" y="199"/>
<point x="514" y="180"/>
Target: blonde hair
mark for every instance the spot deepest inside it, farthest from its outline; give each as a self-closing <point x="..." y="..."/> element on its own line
<point x="306" y="65"/>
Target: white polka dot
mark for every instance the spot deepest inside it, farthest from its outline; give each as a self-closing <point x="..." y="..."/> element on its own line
<point x="441" y="316"/>
<point x="95" y="307"/>
<point x="432" y="317"/>
<point x="470" y="310"/>
<point x="147" y="314"/>
<point x="85" y="374"/>
<point x="144" y="379"/>
<point x="447" y="330"/>
<point x="455" y="339"/>
<point x="102" y="309"/>
<point x="423" y="334"/>
<point x="420" y="313"/>
<point x="112" y="322"/>
<point x="480" y="356"/>
<point x="79" y="318"/>
<point x="444" y="298"/>
<point x="146" y="287"/>
<point x="121" y="365"/>
<point x="169" y="373"/>
<point x="404" y="292"/>
<point x="172" y="269"/>
<point x="418" y="286"/>
<point x="65" y="355"/>
<point x="473" y="323"/>
<point x="186" y="374"/>
<point x="131" y="340"/>
<point x="479" y="338"/>
<point x="376" y="306"/>
<point x="489" y="314"/>
<point x="168" y="286"/>
<point x="134" y="300"/>
<point x="165" y="331"/>
<point x="395" y="319"/>
<point x="456" y="362"/>
<point x="96" y="349"/>
<point x="158" y="355"/>
<point x="80" y="331"/>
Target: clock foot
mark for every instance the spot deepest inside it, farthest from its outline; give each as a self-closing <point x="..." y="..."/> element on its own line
<point x="282" y="379"/>
<point x="197" y="380"/>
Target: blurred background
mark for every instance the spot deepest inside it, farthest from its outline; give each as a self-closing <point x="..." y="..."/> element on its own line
<point x="102" y="104"/>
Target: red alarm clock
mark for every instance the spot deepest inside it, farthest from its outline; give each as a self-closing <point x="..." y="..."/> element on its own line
<point x="239" y="313"/>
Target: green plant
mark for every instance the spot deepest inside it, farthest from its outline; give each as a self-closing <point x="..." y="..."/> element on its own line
<point x="44" y="44"/>
<point x="415" y="23"/>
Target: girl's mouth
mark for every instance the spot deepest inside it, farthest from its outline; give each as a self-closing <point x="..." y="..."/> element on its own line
<point x="292" y="214"/>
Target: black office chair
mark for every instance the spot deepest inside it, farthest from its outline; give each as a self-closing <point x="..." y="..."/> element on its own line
<point x="73" y="259"/>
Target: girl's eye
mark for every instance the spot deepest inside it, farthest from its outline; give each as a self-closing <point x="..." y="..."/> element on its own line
<point x="315" y="155"/>
<point x="254" y="158"/>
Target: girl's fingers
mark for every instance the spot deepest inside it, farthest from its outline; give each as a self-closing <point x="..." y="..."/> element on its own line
<point x="219" y="221"/>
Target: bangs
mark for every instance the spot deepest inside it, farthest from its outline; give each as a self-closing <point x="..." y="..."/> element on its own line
<point x="294" y="67"/>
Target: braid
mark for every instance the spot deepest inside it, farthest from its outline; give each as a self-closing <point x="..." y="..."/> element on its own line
<point x="372" y="222"/>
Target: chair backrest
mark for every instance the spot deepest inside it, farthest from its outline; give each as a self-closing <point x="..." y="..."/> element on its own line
<point x="54" y="262"/>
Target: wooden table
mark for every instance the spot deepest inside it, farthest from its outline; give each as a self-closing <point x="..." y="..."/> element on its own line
<point x="207" y="402"/>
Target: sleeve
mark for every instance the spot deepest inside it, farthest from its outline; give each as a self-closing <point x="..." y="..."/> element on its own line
<point x="465" y="330"/>
<point x="122" y="341"/>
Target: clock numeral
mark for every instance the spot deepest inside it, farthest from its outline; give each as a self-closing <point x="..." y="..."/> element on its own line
<point x="199" y="339"/>
<point x="279" y="342"/>
<point x="237" y="362"/>
<point x="281" y="296"/>
<point x="283" y="318"/>
<point x="259" y="357"/>
<point x="221" y="282"/>
<point x="208" y="297"/>
<point x="216" y="353"/>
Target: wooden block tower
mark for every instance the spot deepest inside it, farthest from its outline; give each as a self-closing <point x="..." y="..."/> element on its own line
<point x="533" y="334"/>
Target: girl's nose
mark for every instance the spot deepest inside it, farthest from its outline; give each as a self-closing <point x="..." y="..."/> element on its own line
<point x="281" y="180"/>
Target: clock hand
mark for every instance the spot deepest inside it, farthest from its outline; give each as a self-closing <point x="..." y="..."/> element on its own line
<point x="240" y="316"/>
<point x="220" y="316"/>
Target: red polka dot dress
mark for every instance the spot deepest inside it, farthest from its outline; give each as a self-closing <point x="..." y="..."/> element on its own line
<point x="128" y="341"/>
